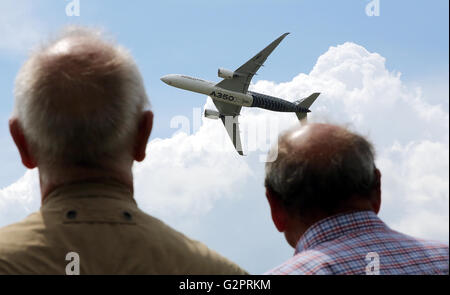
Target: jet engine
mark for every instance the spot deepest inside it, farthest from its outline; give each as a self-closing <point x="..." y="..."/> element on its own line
<point x="226" y="74"/>
<point x="210" y="114"/>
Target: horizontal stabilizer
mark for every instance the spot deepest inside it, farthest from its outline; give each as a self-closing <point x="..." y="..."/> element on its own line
<point x="305" y="103"/>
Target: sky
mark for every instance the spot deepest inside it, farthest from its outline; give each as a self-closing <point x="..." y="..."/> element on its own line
<point x="383" y="76"/>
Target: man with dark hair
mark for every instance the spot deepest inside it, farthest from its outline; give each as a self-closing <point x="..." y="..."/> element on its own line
<point x="324" y="192"/>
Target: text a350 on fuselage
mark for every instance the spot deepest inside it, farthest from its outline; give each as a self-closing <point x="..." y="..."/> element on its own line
<point x="209" y="88"/>
<point x="231" y="94"/>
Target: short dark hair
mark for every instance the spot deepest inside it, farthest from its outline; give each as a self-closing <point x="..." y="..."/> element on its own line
<point x="309" y="185"/>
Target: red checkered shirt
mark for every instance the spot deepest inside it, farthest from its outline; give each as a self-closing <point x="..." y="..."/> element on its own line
<point x="360" y="243"/>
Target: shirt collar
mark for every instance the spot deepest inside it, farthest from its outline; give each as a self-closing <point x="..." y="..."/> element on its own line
<point x="93" y="189"/>
<point x="338" y="225"/>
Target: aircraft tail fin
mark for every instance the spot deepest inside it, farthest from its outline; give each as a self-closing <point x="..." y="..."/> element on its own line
<point x="305" y="103"/>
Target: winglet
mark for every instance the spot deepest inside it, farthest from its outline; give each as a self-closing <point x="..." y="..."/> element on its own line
<point x="283" y="36"/>
<point x="231" y="124"/>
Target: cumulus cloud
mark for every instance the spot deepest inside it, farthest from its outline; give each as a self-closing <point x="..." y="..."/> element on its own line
<point x="187" y="175"/>
<point x="415" y="192"/>
<point x="410" y="135"/>
<point x="19" y="199"/>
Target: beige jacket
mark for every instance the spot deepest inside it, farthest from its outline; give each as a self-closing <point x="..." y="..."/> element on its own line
<point x="103" y="225"/>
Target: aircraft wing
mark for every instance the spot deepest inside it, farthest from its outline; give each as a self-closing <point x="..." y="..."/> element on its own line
<point x="227" y="109"/>
<point x="229" y="115"/>
<point x="246" y="72"/>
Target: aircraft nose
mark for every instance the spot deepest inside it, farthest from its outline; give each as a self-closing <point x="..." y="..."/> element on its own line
<point x="167" y="79"/>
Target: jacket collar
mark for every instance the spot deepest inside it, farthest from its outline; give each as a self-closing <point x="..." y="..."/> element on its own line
<point x="90" y="190"/>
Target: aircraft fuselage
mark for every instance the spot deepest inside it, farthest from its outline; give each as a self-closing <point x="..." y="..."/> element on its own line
<point x="249" y="99"/>
<point x="208" y="88"/>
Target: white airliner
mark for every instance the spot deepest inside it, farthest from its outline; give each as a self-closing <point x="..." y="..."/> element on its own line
<point x="231" y="94"/>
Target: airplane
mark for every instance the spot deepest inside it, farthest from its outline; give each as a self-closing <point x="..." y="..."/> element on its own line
<point x="231" y="94"/>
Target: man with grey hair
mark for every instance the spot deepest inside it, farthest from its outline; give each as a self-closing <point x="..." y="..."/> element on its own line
<point x="324" y="192"/>
<point x="81" y="117"/>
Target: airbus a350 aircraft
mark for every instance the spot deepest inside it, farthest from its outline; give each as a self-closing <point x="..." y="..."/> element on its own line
<point x="231" y="94"/>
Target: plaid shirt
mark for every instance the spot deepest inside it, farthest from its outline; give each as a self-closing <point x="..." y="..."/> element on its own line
<point x="360" y="243"/>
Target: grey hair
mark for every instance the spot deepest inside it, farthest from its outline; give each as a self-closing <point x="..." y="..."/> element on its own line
<point x="310" y="181"/>
<point x="78" y="99"/>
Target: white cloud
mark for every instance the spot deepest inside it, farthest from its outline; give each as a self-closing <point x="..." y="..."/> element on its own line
<point x="415" y="193"/>
<point x="185" y="174"/>
<point x="185" y="177"/>
<point x="19" y="199"/>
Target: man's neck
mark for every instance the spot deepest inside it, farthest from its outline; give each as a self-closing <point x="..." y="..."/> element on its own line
<point x="299" y="226"/>
<point x="49" y="181"/>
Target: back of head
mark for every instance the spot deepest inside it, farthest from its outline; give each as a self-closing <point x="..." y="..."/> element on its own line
<point x="319" y="168"/>
<point x="78" y="99"/>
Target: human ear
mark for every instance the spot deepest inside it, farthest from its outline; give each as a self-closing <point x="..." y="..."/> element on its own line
<point x="19" y="139"/>
<point x="278" y="212"/>
<point x="376" y="203"/>
<point x="144" y="129"/>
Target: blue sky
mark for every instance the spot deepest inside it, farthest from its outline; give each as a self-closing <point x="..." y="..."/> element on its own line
<point x="197" y="37"/>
